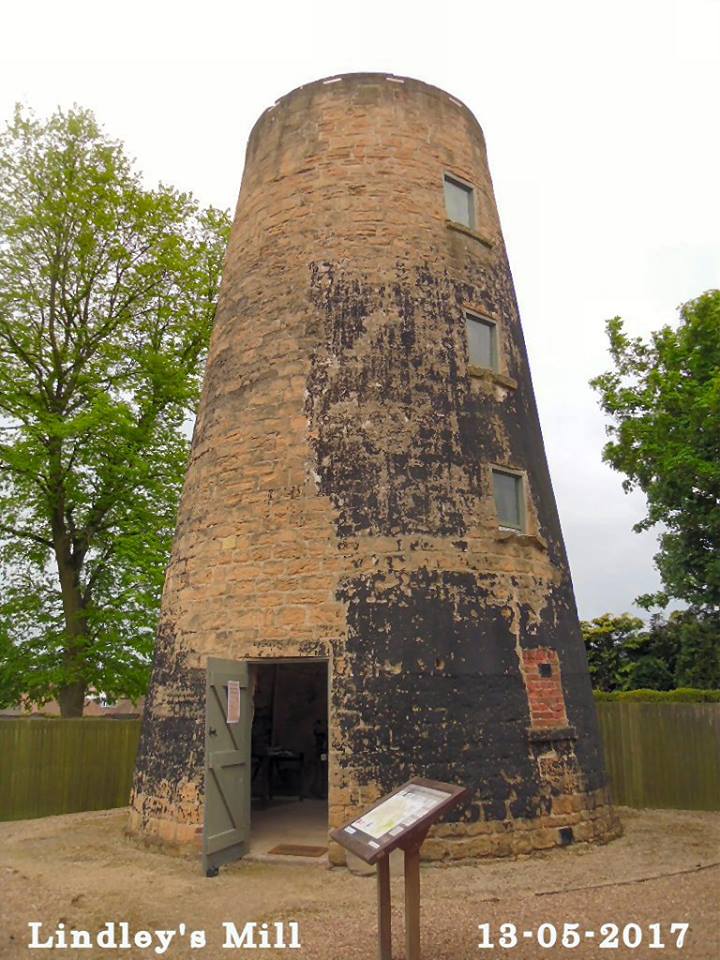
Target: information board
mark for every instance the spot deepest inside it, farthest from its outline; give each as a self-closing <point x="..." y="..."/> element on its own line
<point x="406" y="813"/>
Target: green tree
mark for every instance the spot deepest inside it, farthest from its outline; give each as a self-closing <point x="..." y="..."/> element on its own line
<point x="695" y="635"/>
<point x="606" y="641"/>
<point x="649" y="658"/>
<point x="680" y="651"/>
<point x="663" y="397"/>
<point x="647" y="672"/>
<point x="107" y="297"/>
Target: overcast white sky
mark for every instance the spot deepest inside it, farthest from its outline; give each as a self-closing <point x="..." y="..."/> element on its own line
<point x="601" y="120"/>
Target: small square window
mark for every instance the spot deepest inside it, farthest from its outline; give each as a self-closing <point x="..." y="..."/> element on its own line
<point x="545" y="669"/>
<point x="459" y="202"/>
<point x="509" y="501"/>
<point x="482" y="342"/>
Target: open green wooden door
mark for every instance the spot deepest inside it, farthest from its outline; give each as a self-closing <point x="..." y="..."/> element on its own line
<point x="226" y="832"/>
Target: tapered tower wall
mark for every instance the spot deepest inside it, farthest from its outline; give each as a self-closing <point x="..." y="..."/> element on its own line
<point x="339" y="498"/>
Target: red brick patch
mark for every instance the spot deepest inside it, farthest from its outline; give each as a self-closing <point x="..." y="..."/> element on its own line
<point x="541" y="668"/>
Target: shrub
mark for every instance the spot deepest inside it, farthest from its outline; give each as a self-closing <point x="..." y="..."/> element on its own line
<point x="681" y="695"/>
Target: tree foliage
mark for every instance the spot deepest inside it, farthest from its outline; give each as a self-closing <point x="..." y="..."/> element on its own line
<point x="606" y="640"/>
<point x="679" y="651"/>
<point x="107" y="297"/>
<point x="663" y="397"/>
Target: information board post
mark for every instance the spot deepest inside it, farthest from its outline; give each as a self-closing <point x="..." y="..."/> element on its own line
<point x="383" y="901"/>
<point x="400" y="820"/>
<point x="412" y="904"/>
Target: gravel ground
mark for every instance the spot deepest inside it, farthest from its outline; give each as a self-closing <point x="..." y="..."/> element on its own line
<point x="79" y="870"/>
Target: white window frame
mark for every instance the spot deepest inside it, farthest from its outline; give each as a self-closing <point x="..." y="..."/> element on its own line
<point x="518" y="475"/>
<point x="457" y="181"/>
<point x="474" y="317"/>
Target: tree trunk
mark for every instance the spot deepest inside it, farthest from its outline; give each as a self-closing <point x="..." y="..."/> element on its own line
<point x="71" y="693"/>
<point x="71" y="699"/>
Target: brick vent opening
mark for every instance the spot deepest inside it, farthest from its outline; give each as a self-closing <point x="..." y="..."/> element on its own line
<point x="541" y="669"/>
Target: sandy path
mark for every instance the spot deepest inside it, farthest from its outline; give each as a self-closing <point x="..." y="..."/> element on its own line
<point x="79" y="870"/>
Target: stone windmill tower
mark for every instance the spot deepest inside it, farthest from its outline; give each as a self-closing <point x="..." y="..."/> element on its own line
<point x="368" y="495"/>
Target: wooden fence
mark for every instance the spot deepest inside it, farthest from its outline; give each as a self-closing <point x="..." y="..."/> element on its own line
<point x="62" y="766"/>
<point x="662" y="754"/>
<point x="657" y="755"/>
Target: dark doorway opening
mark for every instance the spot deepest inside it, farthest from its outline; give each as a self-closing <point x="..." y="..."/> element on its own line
<point x="289" y="755"/>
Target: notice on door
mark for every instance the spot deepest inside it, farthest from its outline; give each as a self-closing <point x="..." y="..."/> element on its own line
<point x="233" y="701"/>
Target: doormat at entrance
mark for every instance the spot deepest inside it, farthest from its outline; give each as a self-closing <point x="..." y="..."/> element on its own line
<point x="298" y="850"/>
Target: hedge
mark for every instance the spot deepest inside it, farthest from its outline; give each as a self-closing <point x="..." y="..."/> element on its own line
<point x="681" y="695"/>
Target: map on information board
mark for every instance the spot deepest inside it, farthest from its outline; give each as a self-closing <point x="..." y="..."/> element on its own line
<point x="400" y="819"/>
<point x="399" y="812"/>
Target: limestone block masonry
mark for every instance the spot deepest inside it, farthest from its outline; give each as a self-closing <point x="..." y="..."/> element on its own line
<point x="339" y="496"/>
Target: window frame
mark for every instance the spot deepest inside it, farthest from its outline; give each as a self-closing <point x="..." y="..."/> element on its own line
<point x="521" y="487"/>
<point x="456" y="181"/>
<point x="475" y="317"/>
